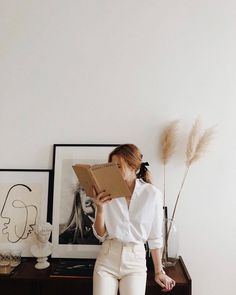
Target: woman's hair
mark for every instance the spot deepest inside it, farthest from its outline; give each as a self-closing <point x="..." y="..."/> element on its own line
<point x="76" y="220"/>
<point x="131" y="155"/>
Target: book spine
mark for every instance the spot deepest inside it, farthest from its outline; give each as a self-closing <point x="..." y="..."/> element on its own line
<point x="96" y="185"/>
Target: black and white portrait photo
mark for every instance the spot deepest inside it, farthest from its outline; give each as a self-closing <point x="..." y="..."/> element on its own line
<point x="78" y="227"/>
<point x="74" y="212"/>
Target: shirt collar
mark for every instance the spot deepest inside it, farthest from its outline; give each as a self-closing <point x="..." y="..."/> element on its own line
<point x="138" y="185"/>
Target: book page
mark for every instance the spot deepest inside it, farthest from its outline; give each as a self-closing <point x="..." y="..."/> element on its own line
<point x="85" y="178"/>
<point x="109" y="178"/>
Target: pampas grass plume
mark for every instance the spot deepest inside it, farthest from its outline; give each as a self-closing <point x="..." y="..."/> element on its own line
<point x="168" y="141"/>
<point x="197" y="143"/>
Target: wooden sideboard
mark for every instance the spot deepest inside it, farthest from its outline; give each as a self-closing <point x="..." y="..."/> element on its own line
<point x="27" y="280"/>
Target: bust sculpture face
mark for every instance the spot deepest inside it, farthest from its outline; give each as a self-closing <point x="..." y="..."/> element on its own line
<point x="43" y="232"/>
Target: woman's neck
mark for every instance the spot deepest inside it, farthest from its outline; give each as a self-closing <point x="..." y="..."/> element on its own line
<point x="131" y="184"/>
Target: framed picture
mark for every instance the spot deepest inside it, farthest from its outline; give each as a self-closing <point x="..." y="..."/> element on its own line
<point x="23" y="204"/>
<point x="74" y="212"/>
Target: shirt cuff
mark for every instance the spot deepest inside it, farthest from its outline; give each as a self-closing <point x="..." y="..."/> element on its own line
<point x="100" y="238"/>
<point x="155" y="243"/>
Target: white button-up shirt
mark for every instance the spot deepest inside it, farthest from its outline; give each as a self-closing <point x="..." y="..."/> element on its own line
<point x="138" y="223"/>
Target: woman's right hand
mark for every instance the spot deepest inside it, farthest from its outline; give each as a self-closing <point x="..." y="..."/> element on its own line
<point x="99" y="224"/>
<point x="102" y="198"/>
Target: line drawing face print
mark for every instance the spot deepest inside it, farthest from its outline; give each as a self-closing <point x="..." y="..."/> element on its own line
<point x="19" y="216"/>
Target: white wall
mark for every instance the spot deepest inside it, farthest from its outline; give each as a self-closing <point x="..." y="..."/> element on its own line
<point x="116" y="72"/>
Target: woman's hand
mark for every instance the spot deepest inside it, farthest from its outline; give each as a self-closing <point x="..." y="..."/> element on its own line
<point x="165" y="282"/>
<point x="102" y="198"/>
<point x="99" y="224"/>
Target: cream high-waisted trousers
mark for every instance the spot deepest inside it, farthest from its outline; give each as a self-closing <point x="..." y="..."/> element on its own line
<point x="120" y="265"/>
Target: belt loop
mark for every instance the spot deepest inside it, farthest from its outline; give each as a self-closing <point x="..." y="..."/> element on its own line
<point x="132" y="247"/>
<point x="110" y="245"/>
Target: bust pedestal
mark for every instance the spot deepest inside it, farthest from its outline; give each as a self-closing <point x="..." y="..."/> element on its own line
<point x="42" y="263"/>
<point x="41" y="251"/>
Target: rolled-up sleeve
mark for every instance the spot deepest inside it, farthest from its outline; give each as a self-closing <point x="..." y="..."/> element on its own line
<point x="100" y="238"/>
<point x="155" y="239"/>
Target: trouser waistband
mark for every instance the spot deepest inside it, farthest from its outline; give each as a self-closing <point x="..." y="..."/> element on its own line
<point x="121" y="244"/>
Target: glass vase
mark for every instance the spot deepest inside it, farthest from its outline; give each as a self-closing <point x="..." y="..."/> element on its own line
<point x="171" y="243"/>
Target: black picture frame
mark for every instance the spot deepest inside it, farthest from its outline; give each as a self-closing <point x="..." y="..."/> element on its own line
<point x="65" y="184"/>
<point x="24" y="199"/>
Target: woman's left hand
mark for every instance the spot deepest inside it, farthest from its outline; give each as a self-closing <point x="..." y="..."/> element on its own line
<point x="165" y="282"/>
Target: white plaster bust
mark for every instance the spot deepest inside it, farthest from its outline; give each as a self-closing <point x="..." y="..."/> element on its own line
<point x="43" y="247"/>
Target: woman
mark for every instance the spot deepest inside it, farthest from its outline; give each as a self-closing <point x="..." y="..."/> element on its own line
<point x="124" y="225"/>
<point x="78" y="229"/>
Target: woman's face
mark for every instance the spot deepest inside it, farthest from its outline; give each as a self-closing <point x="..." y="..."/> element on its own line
<point x="18" y="213"/>
<point x="126" y="171"/>
<point x="87" y="204"/>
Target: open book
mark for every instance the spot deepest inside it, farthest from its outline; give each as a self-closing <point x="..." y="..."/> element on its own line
<point x="101" y="177"/>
